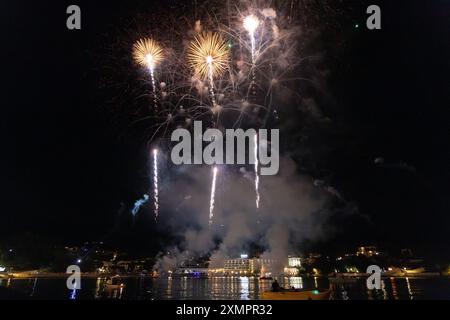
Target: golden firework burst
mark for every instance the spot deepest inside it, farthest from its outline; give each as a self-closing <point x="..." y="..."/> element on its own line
<point x="208" y="53"/>
<point x="147" y="52"/>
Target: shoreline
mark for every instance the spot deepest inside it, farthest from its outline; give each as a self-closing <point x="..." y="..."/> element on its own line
<point x="94" y="275"/>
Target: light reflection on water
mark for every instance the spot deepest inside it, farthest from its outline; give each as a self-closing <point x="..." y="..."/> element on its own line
<point x="230" y="288"/>
<point x="245" y="293"/>
<point x="296" y="282"/>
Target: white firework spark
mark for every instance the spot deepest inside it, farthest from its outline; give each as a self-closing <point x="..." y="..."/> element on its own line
<point x="152" y="75"/>
<point x="256" y="171"/>
<point x="251" y="23"/>
<point x="213" y="195"/>
<point x="155" y="183"/>
<point x="209" y="59"/>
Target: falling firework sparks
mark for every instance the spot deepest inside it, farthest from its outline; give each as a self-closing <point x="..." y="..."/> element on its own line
<point x="155" y="183"/>
<point x="213" y="194"/>
<point x="256" y="171"/>
<point x="148" y="53"/>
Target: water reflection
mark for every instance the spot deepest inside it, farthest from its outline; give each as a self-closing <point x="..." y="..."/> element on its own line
<point x="229" y="288"/>
<point x="383" y="289"/>
<point x="394" y="288"/>
<point x="183" y="291"/>
<point x="244" y="288"/>
<point x="408" y="285"/>
<point x="34" y="287"/>
<point x="297" y="282"/>
<point x="73" y="294"/>
<point x="98" y="287"/>
<point x="169" y="288"/>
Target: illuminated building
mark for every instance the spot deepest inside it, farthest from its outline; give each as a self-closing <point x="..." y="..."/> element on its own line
<point x="294" y="263"/>
<point x="246" y="266"/>
<point x="368" y="251"/>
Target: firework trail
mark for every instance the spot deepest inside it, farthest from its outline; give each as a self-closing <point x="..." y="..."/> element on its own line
<point x="213" y="195"/>
<point x="251" y="23"/>
<point x="152" y="75"/>
<point x="155" y="183"/>
<point x="256" y="171"/>
<point x="209" y="59"/>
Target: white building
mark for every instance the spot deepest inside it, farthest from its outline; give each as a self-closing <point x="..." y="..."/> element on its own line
<point x="245" y="266"/>
<point x="294" y="263"/>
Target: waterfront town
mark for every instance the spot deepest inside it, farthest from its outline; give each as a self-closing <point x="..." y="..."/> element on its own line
<point x="94" y="260"/>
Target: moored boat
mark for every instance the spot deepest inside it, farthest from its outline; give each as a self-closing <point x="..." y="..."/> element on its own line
<point x="316" y="294"/>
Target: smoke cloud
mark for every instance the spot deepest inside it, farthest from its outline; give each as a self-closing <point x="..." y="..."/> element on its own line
<point x="291" y="208"/>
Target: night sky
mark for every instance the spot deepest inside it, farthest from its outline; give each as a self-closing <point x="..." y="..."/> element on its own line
<point x="66" y="164"/>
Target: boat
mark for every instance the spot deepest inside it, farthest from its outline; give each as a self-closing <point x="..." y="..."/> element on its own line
<point x="316" y="294"/>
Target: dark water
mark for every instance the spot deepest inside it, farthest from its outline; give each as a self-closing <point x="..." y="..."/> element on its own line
<point x="233" y="288"/>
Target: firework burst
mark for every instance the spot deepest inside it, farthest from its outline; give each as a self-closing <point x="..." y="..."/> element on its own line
<point x="147" y="52"/>
<point x="208" y="55"/>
